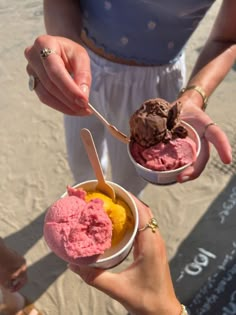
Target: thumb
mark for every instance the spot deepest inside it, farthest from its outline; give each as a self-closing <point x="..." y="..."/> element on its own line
<point x="82" y="73"/>
<point x="105" y="281"/>
<point x="220" y="141"/>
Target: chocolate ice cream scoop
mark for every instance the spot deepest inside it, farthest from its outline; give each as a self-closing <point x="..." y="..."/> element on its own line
<point x="155" y="121"/>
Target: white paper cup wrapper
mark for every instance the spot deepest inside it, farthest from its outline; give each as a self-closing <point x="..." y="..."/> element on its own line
<point x="165" y="177"/>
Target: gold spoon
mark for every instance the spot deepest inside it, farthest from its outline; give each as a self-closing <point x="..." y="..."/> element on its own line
<point x="89" y="145"/>
<point x="112" y="129"/>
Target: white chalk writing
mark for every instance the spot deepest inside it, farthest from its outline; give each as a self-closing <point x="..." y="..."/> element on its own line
<point x="228" y="206"/>
<point x="230" y="308"/>
<point x="216" y="285"/>
<point x="200" y="261"/>
<point x="228" y="257"/>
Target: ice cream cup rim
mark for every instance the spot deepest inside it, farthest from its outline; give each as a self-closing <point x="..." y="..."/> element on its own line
<point x="136" y="221"/>
<point x="174" y="170"/>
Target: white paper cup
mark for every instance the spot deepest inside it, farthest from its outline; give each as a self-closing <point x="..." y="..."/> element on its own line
<point x="117" y="253"/>
<point x="165" y="177"/>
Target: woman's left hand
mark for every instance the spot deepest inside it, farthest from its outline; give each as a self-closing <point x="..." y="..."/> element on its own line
<point x="209" y="133"/>
<point x="145" y="287"/>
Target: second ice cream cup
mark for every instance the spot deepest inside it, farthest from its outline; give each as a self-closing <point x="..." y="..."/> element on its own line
<point x="118" y="252"/>
<point x="170" y="176"/>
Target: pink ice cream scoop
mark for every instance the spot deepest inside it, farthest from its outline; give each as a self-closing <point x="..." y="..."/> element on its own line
<point x="77" y="231"/>
<point x="165" y="156"/>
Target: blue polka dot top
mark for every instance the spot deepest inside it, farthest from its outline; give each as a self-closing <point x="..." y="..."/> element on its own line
<point x="146" y="31"/>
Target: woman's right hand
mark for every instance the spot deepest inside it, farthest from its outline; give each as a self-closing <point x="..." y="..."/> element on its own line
<point x="63" y="78"/>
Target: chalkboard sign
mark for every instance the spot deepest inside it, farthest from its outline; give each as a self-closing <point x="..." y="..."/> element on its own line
<point x="204" y="267"/>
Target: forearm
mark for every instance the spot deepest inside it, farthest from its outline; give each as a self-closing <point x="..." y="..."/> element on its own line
<point x="63" y="18"/>
<point x="217" y="56"/>
<point x="213" y="65"/>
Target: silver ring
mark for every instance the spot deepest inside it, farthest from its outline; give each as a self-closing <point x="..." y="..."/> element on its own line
<point x="12" y="283"/>
<point x="15" y="282"/>
<point x="33" y="81"/>
<point x="206" y="127"/>
<point x="44" y="53"/>
<point x="152" y="224"/>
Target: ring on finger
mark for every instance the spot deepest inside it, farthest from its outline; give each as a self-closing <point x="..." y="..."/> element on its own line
<point x="33" y="81"/>
<point x="15" y="282"/>
<point x="12" y="283"/>
<point x="45" y="52"/>
<point x="206" y="127"/>
<point x="152" y="224"/>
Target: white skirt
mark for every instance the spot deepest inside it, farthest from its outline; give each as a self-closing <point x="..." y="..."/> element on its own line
<point x="117" y="91"/>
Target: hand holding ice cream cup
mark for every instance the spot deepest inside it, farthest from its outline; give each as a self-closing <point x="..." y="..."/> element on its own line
<point x="161" y="145"/>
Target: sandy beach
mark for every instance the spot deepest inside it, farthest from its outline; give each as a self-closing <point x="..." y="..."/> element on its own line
<point x="34" y="170"/>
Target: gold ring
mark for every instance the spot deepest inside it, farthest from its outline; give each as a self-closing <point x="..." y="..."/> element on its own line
<point x="206" y="127"/>
<point x="33" y="81"/>
<point x="44" y="53"/>
<point x="152" y="224"/>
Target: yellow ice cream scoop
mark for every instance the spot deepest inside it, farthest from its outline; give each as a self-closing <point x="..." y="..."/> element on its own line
<point x="119" y="213"/>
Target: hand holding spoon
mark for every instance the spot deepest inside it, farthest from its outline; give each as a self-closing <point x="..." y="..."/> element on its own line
<point x="89" y="145"/>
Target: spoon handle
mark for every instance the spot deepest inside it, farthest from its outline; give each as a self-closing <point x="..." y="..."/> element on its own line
<point x="92" y="153"/>
<point x="112" y="129"/>
<point x="99" y="116"/>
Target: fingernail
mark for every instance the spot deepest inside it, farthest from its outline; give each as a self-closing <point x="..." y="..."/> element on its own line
<point x="84" y="88"/>
<point x="184" y="179"/>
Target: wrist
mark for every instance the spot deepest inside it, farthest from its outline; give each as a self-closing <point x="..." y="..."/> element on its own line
<point x="197" y="95"/>
<point x="172" y="307"/>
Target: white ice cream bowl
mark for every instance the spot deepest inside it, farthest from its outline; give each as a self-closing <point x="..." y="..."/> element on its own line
<point x="117" y="253"/>
<point x="165" y="177"/>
